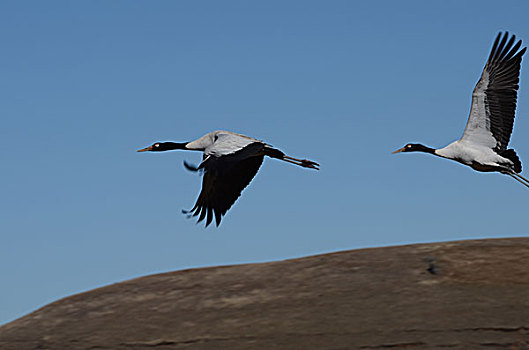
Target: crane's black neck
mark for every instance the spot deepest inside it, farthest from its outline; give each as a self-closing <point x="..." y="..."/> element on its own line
<point x="417" y="147"/>
<point x="425" y="149"/>
<point x="169" y="146"/>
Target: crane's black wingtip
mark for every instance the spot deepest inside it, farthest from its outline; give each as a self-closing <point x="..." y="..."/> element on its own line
<point x="208" y="219"/>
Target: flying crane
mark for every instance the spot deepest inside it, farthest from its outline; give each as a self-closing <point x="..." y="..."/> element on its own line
<point x="483" y="145"/>
<point x="230" y="162"/>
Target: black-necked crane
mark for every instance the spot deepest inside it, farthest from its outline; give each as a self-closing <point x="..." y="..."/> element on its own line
<point x="230" y="161"/>
<point x="483" y="145"/>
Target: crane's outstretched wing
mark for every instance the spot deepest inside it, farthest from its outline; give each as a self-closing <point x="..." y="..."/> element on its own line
<point x="494" y="97"/>
<point x="224" y="179"/>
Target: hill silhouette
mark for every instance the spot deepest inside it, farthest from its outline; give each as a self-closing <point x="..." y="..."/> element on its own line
<point x="459" y="295"/>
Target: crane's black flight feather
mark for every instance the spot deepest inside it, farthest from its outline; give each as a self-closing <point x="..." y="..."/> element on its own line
<point x="503" y="68"/>
<point x="223" y="181"/>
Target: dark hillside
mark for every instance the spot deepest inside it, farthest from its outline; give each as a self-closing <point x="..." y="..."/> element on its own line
<point x="459" y="295"/>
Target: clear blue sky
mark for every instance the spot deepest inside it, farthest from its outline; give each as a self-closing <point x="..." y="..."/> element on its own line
<point x="85" y="84"/>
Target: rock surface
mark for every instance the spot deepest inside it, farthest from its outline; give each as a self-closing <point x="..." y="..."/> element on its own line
<point x="459" y="295"/>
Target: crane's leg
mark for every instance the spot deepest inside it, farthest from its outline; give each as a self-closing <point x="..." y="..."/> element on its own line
<point x="523" y="178"/>
<point x="275" y="153"/>
<point x="520" y="179"/>
<point x="301" y="162"/>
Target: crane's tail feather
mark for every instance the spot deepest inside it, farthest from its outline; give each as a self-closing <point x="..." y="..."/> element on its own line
<point x="513" y="157"/>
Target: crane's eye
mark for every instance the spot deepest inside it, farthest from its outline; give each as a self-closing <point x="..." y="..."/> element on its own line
<point x="156" y="145"/>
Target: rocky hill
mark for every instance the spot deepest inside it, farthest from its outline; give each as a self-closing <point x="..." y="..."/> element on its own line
<point x="459" y="295"/>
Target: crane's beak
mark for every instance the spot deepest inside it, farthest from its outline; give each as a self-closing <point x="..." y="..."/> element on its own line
<point x="145" y="149"/>
<point x="398" y="151"/>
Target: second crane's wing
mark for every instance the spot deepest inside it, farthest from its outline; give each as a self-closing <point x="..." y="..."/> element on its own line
<point x="494" y="98"/>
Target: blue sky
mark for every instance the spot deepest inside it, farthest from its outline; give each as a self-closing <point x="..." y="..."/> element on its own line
<point x="86" y="84"/>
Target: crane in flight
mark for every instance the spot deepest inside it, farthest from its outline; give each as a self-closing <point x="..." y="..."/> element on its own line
<point x="483" y="145"/>
<point x="230" y="162"/>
